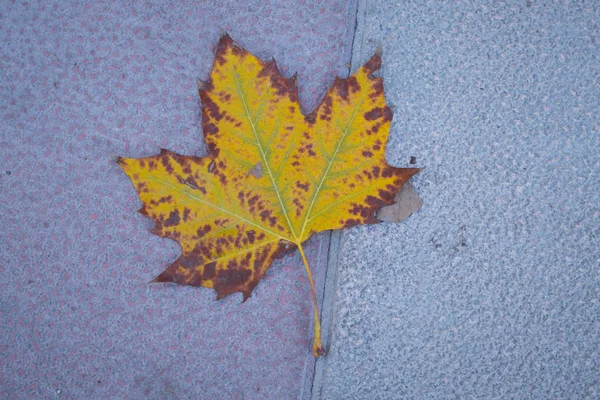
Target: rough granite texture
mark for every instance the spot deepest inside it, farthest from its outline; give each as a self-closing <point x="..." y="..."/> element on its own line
<point x="80" y="83"/>
<point x="491" y="291"/>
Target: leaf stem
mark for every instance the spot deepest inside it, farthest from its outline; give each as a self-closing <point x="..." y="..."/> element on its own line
<point x="317" y="348"/>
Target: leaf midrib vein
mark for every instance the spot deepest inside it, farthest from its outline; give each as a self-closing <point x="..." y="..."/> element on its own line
<point x="223" y="210"/>
<point x="242" y="251"/>
<point x="334" y="155"/>
<point x="263" y="155"/>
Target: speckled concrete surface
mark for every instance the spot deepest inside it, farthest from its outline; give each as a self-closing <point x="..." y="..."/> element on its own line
<point x="492" y="290"/>
<point x="80" y="83"/>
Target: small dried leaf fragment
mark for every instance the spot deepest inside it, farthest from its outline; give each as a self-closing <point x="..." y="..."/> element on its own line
<point x="407" y="202"/>
<point x="273" y="176"/>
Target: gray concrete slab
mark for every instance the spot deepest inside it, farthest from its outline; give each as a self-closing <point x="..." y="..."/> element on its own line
<point x="491" y="291"/>
<point x="81" y="81"/>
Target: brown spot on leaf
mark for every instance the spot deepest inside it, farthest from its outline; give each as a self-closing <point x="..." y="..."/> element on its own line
<point x="367" y="153"/>
<point x="308" y="147"/>
<point x="374" y="129"/>
<point x="373" y="64"/>
<point x="212" y="148"/>
<point x="252" y="200"/>
<point x="353" y="84"/>
<point x="304" y="186"/>
<point x="224" y="97"/>
<point x="225" y="43"/>
<point x="325" y="108"/>
<point x="260" y="257"/>
<point x="232" y="279"/>
<point x="200" y="273"/>
<point x="203" y="230"/>
<point x="209" y="270"/>
<point x="299" y="206"/>
<point x="222" y="178"/>
<point x="282" y="86"/>
<point x="387" y="195"/>
<point x="350" y="222"/>
<point x="293" y="89"/>
<point x="379" y="112"/>
<point x="173" y="219"/>
<point x="387" y="172"/>
<point x="265" y="216"/>
<point x="165" y="199"/>
<point x="220" y="222"/>
<point x="141" y="187"/>
<point x="166" y="162"/>
<point x="374" y="202"/>
<point x="377" y="90"/>
<point x="358" y="209"/>
<point x="237" y="50"/>
<point x="341" y="88"/>
<point x="238" y="241"/>
<point x="207" y="86"/>
<point x="210" y="129"/>
<point x="210" y="109"/>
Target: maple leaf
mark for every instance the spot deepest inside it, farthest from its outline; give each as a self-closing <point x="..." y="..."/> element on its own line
<point x="273" y="176"/>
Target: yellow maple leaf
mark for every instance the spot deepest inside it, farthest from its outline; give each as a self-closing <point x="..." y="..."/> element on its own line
<point x="273" y="176"/>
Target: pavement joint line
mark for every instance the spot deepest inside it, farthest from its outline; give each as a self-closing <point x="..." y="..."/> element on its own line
<point x="317" y="379"/>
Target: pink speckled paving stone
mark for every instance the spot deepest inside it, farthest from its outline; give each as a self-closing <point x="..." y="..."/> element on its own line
<point x="81" y="83"/>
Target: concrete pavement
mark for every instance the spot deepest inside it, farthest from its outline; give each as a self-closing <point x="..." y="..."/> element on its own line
<point x="490" y="291"/>
<point x="80" y="82"/>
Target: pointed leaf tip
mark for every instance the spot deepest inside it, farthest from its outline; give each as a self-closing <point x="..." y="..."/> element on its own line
<point x="117" y="159"/>
<point x="224" y="35"/>
<point x="373" y="65"/>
